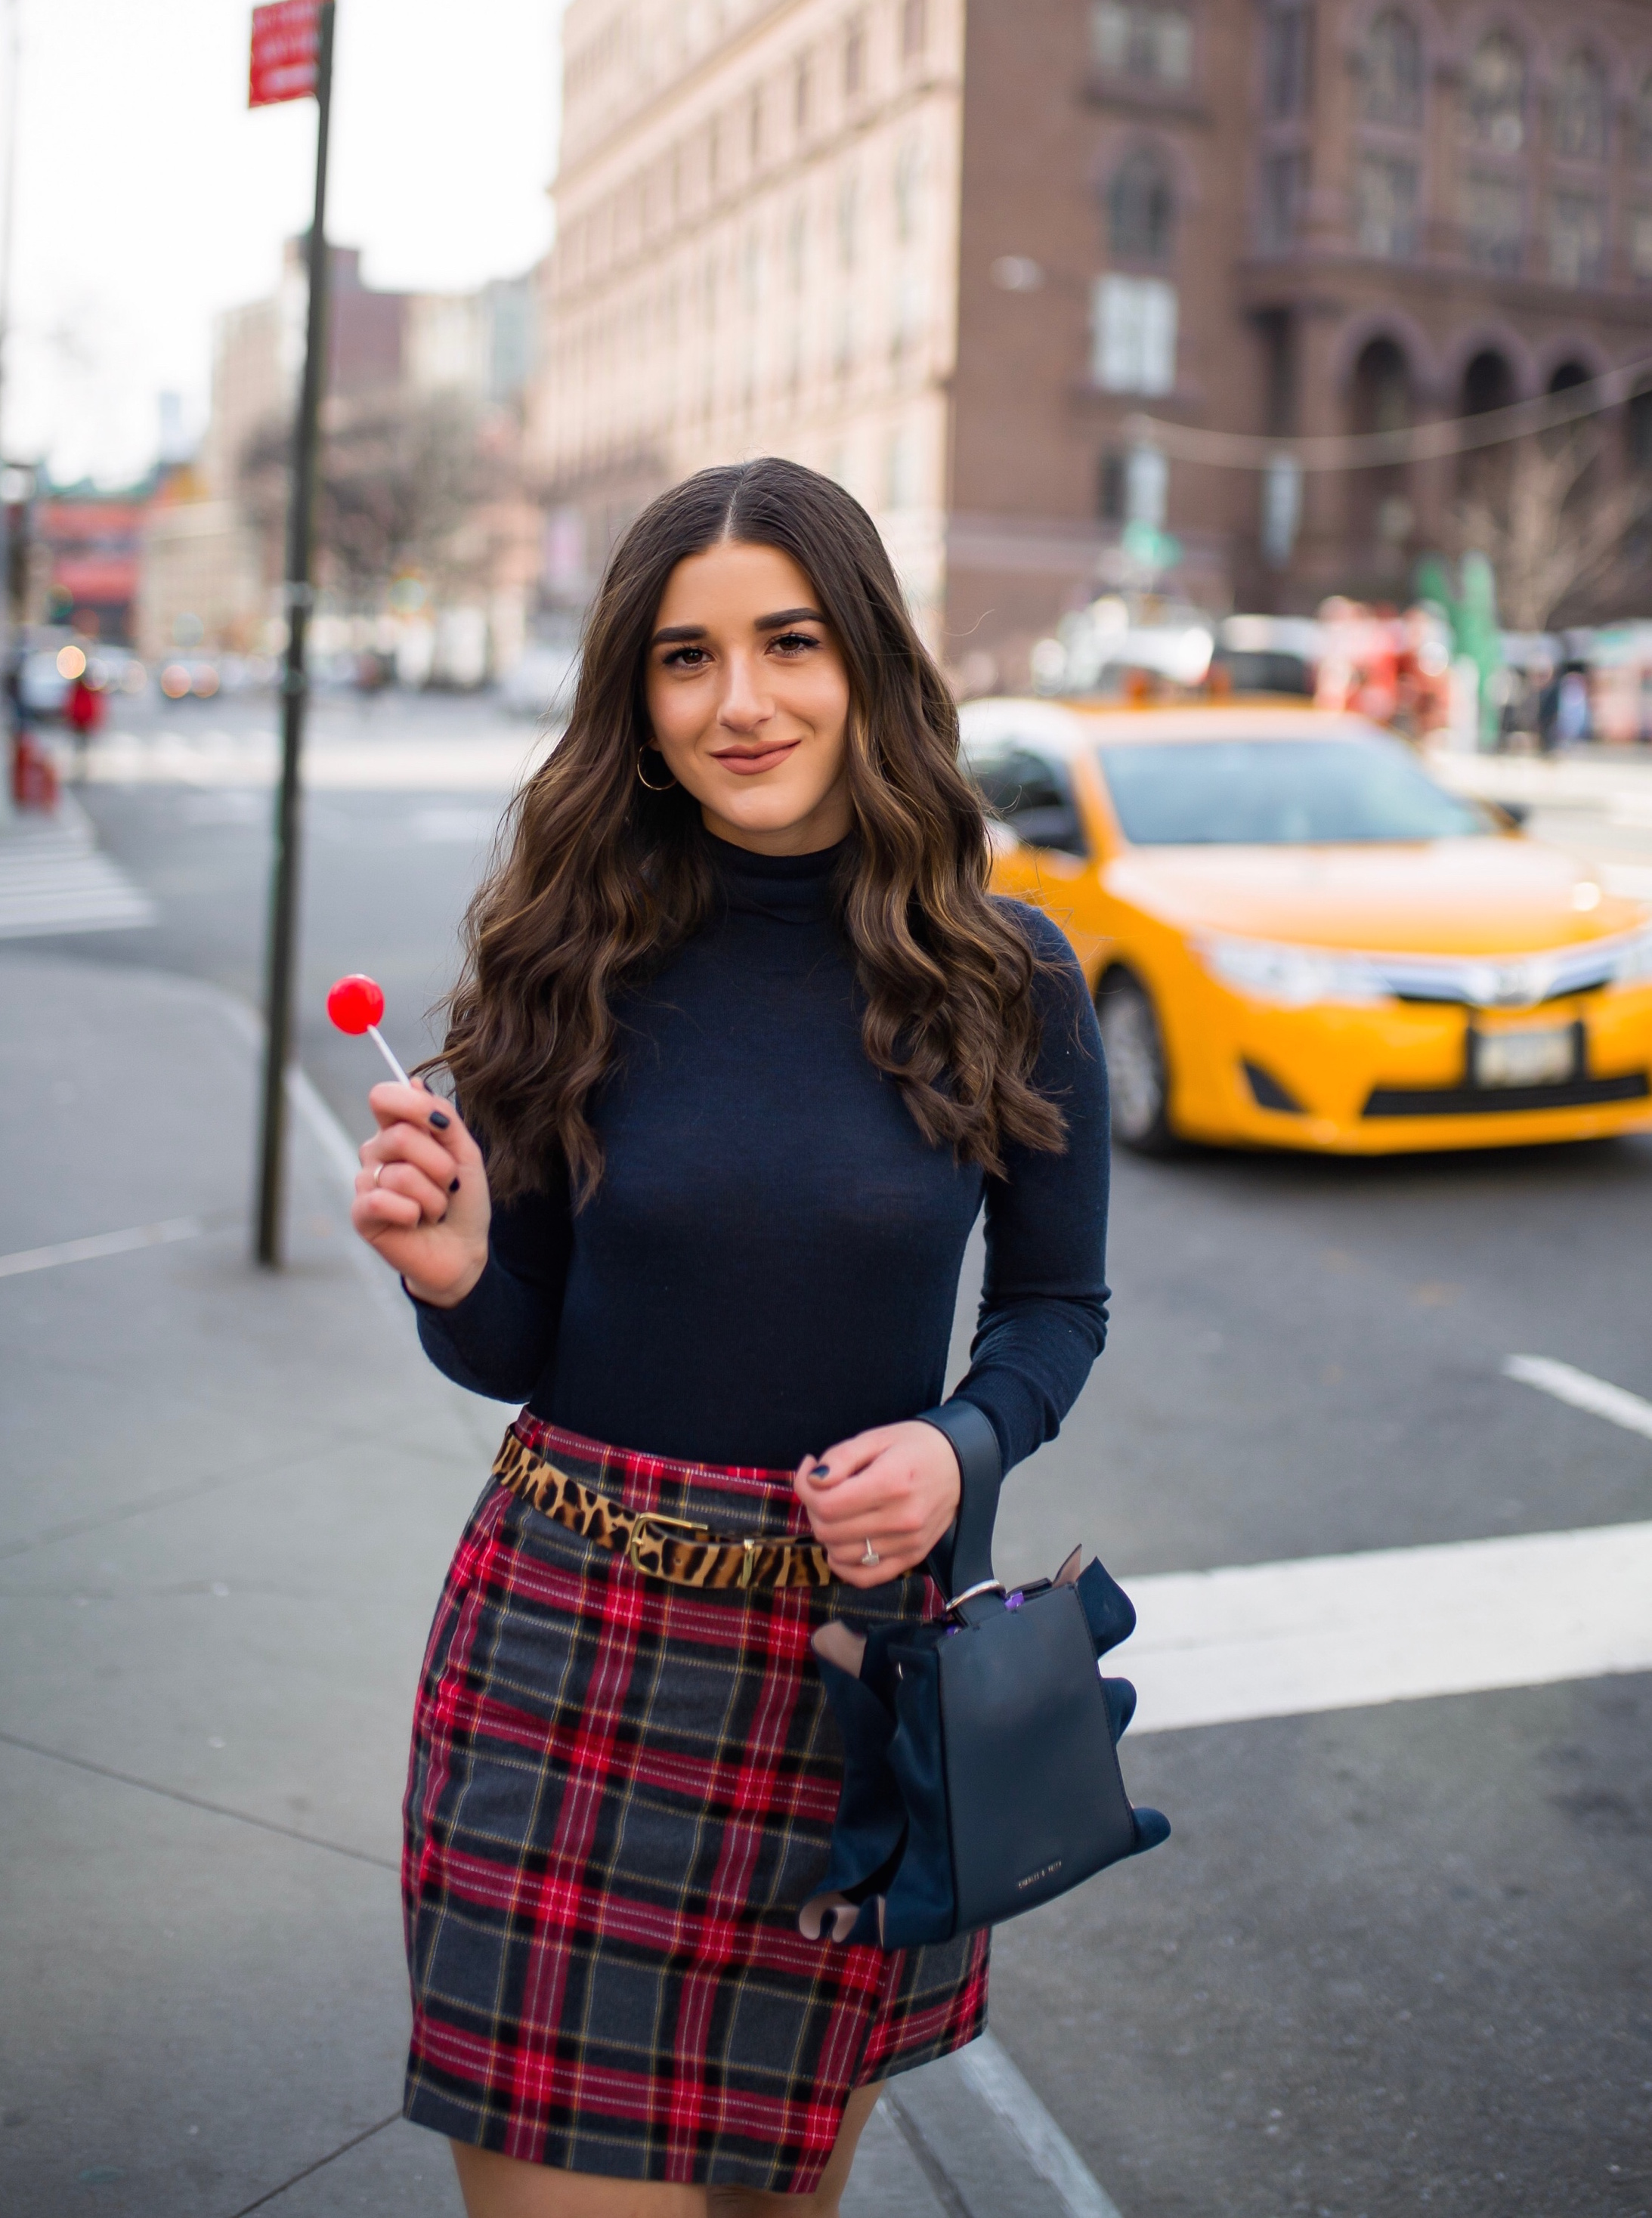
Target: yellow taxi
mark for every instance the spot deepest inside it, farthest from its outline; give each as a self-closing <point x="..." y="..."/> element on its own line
<point x="1296" y="938"/>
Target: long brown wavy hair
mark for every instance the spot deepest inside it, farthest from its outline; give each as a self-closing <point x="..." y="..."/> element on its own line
<point x="599" y="879"/>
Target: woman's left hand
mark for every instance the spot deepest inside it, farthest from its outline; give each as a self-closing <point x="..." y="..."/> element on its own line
<point x="895" y="1489"/>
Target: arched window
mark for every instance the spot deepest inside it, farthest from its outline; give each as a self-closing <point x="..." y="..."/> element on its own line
<point x="1494" y="94"/>
<point x="1140" y="210"/>
<point x="1392" y="71"/>
<point x="1581" y="109"/>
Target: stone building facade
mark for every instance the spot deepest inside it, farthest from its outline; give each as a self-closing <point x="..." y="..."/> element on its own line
<point x="957" y="253"/>
<point x="757" y="252"/>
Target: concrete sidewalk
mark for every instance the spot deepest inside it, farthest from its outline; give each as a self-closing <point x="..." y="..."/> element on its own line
<point x="230" y="1499"/>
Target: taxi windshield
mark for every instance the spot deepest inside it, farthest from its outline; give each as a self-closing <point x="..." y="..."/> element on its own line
<point x="1278" y="793"/>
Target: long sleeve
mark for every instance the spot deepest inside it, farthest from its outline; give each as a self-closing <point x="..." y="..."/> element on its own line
<point x="500" y="1339"/>
<point x="1044" y="1311"/>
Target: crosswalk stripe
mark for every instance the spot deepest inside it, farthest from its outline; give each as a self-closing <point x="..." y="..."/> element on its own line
<point x="55" y="879"/>
<point x="1393" y="1625"/>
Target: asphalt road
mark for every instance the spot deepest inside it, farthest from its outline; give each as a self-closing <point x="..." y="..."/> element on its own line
<point x="1393" y="1959"/>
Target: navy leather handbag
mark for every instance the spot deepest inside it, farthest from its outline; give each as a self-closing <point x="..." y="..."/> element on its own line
<point x="980" y="1771"/>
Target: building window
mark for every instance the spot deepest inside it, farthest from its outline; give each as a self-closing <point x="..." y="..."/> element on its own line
<point x="1281" y="509"/>
<point x="914" y="28"/>
<point x="910" y="312"/>
<point x="1110" y="487"/>
<point x="901" y="480"/>
<point x="1495" y="96"/>
<point x="1287" y="60"/>
<point x="796" y="247"/>
<point x="1133" y="334"/>
<point x="1492" y="225"/>
<point x="1284" y="188"/>
<point x="847" y="222"/>
<point x="754" y="130"/>
<point x="751" y="288"/>
<point x="1140" y="210"/>
<point x="843" y="340"/>
<point x="1146" y="487"/>
<point x="1581" y="110"/>
<point x="1391" y="72"/>
<point x="1385" y="192"/>
<point x="1640" y="148"/>
<point x="1640" y="244"/>
<point x="908" y="189"/>
<point x="1640" y="430"/>
<point x="854" y="59"/>
<point x="802" y="91"/>
<point x="1142" y="38"/>
<point x="1577" y="238"/>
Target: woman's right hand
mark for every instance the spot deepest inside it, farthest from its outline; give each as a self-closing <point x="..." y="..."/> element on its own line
<point x="421" y="1195"/>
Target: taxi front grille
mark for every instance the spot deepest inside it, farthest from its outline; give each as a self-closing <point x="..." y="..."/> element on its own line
<point x="1492" y="1101"/>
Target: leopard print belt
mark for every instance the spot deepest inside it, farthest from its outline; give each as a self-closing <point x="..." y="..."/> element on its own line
<point x="678" y="1549"/>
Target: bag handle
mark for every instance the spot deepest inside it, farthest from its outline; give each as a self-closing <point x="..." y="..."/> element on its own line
<point x="962" y="1557"/>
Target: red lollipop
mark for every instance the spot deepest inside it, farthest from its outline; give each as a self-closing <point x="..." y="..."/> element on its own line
<point x="356" y="1005"/>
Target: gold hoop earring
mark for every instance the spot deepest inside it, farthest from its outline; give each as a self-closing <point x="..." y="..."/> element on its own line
<point x="643" y="782"/>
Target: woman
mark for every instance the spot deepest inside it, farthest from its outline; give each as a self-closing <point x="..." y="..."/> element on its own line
<point x="743" y="1046"/>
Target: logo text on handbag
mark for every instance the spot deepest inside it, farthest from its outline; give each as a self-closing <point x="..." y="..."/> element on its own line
<point x="1045" y="1871"/>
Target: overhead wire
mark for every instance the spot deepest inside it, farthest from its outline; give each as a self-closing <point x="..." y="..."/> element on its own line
<point x="1416" y="442"/>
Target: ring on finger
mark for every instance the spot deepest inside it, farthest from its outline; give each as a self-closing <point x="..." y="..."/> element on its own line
<point x="871" y="1555"/>
<point x="378" y="1173"/>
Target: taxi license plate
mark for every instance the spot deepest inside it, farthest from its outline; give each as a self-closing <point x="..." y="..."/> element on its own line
<point x="1548" y="1057"/>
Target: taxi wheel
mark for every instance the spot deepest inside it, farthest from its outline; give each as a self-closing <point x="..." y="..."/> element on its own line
<point x="1137" y="1081"/>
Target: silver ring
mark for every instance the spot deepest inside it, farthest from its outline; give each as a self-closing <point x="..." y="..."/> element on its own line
<point x="378" y="1173"/>
<point x="871" y="1555"/>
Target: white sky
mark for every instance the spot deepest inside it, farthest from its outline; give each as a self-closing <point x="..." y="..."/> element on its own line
<point x="148" y="195"/>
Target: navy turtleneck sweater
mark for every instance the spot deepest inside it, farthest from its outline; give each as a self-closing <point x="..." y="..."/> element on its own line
<point x="771" y="1263"/>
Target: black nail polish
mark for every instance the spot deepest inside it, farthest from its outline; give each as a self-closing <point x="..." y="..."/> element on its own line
<point x="454" y="1188"/>
<point x="821" y="1470"/>
<point x="440" y="1118"/>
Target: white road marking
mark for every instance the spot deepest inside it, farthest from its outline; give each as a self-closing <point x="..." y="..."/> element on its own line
<point x="1394" y="1625"/>
<point x="53" y="879"/>
<point x="100" y="1243"/>
<point x="485" y="760"/>
<point x="1615" y="1404"/>
<point x="1053" y="2157"/>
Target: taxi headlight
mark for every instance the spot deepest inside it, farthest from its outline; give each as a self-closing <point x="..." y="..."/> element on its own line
<point x="1294" y="976"/>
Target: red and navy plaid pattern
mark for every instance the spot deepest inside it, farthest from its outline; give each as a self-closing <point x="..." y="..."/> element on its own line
<point x="620" y="1793"/>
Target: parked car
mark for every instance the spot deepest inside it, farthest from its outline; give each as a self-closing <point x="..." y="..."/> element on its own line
<point x="1296" y="939"/>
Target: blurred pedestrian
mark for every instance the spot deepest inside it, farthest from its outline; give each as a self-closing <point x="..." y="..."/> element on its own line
<point x="744" y="1046"/>
<point x="1549" y="709"/>
<point x="82" y="712"/>
<point x="1572" y="708"/>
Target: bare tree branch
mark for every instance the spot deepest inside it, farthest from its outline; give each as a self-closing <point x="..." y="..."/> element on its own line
<point x="1559" y="532"/>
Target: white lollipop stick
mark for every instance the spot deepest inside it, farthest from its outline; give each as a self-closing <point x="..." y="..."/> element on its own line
<point x="382" y="1044"/>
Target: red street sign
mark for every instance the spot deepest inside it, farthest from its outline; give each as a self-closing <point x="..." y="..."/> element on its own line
<point x="285" y="38"/>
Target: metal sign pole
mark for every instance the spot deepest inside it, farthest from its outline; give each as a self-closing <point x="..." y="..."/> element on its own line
<point x="283" y="916"/>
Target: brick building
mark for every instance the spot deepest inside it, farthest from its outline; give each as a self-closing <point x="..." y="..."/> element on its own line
<point x="954" y="253"/>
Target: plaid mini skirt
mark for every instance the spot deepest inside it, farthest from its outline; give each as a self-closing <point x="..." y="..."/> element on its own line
<point x="620" y="1794"/>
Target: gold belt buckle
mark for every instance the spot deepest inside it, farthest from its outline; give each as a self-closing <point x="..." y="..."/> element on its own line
<point x="688" y="1524"/>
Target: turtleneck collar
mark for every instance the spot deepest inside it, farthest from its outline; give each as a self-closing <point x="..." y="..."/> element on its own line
<point x="795" y="889"/>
